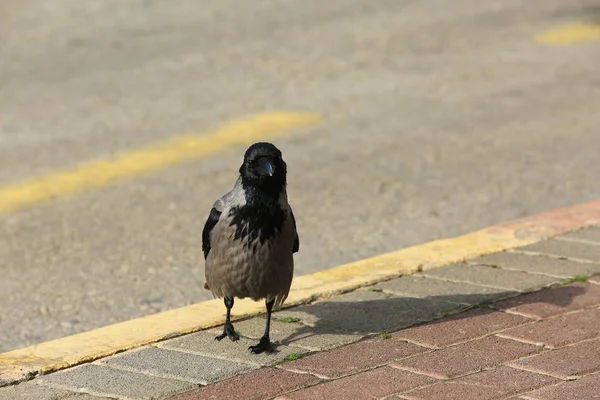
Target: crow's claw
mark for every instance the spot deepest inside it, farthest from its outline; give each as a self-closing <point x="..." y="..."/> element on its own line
<point x="229" y="332"/>
<point x="263" y="345"/>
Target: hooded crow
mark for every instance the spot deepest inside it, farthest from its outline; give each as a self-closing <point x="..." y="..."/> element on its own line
<point x="250" y="237"/>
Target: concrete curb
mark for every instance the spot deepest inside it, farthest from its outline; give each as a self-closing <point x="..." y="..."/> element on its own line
<point x="26" y="363"/>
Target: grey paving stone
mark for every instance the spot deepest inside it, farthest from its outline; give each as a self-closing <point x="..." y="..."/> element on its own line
<point x="178" y="365"/>
<point x="98" y="379"/>
<point x="204" y="343"/>
<point x="296" y="334"/>
<point x="365" y="312"/>
<point x="558" y="267"/>
<point x="567" y="249"/>
<point x="489" y="276"/>
<point x="439" y="290"/>
<point x="29" y="390"/>
<point x="591" y="234"/>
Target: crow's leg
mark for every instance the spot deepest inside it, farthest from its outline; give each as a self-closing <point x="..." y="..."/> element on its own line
<point x="228" y="328"/>
<point x="265" y="343"/>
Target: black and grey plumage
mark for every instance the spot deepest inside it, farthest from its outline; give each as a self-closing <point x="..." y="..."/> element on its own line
<point x="250" y="237"/>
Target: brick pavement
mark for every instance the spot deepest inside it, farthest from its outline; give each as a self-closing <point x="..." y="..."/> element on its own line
<point x="521" y="324"/>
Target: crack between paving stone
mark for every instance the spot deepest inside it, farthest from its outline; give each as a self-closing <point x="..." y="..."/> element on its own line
<point x="520" y="395"/>
<point x="83" y="391"/>
<point x="425" y="345"/>
<point x="300" y="388"/>
<point x="538" y="319"/>
<point x="554" y="256"/>
<point x="325" y="378"/>
<point x="418" y="372"/>
<point x="516" y="339"/>
<point x="596" y="338"/>
<point x="150" y="373"/>
<point x="538" y="254"/>
<point x="516" y="291"/>
<point x="475" y="284"/>
<point x="413" y="296"/>
<point x="109" y="397"/>
<point x="504" y="268"/>
<point x="524" y="368"/>
<point x="313" y="350"/>
<point x="216" y="357"/>
<point x="300" y="372"/>
<point x="577" y="240"/>
<point x="520" y="314"/>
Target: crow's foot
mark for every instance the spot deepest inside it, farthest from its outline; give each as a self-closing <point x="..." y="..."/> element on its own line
<point x="263" y="345"/>
<point x="229" y="332"/>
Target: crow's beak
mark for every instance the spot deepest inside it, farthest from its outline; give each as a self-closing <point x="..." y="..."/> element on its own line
<point x="269" y="168"/>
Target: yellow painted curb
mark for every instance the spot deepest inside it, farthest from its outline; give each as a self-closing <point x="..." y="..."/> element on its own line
<point x="57" y="354"/>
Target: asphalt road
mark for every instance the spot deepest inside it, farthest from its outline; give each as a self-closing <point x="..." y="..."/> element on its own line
<point x="439" y="118"/>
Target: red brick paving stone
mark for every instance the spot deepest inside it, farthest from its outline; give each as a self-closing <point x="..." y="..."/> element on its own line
<point x="586" y="388"/>
<point x="256" y="385"/>
<point x="464" y="358"/>
<point x="559" y="331"/>
<point x="567" y="362"/>
<point x="372" y="384"/>
<point x="459" y="328"/>
<point x="355" y="357"/>
<point x="487" y="385"/>
<point x="553" y="301"/>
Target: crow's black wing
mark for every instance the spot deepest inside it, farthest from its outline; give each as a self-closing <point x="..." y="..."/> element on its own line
<point x="296" y="239"/>
<point x="212" y="220"/>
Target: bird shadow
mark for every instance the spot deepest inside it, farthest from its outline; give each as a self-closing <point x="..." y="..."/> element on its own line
<point x="362" y="312"/>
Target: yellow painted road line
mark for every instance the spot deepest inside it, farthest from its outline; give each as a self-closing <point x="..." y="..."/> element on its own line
<point x="570" y="34"/>
<point x="45" y="357"/>
<point x="186" y="147"/>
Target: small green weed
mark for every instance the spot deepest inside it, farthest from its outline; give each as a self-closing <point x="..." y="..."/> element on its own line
<point x="288" y="320"/>
<point x="576" y="278"/>
<point x="293" y="356"/>
<point x="385" y="335"/>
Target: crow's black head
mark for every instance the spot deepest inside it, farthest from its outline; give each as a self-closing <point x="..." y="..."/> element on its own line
<point x="263" y="167"/>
